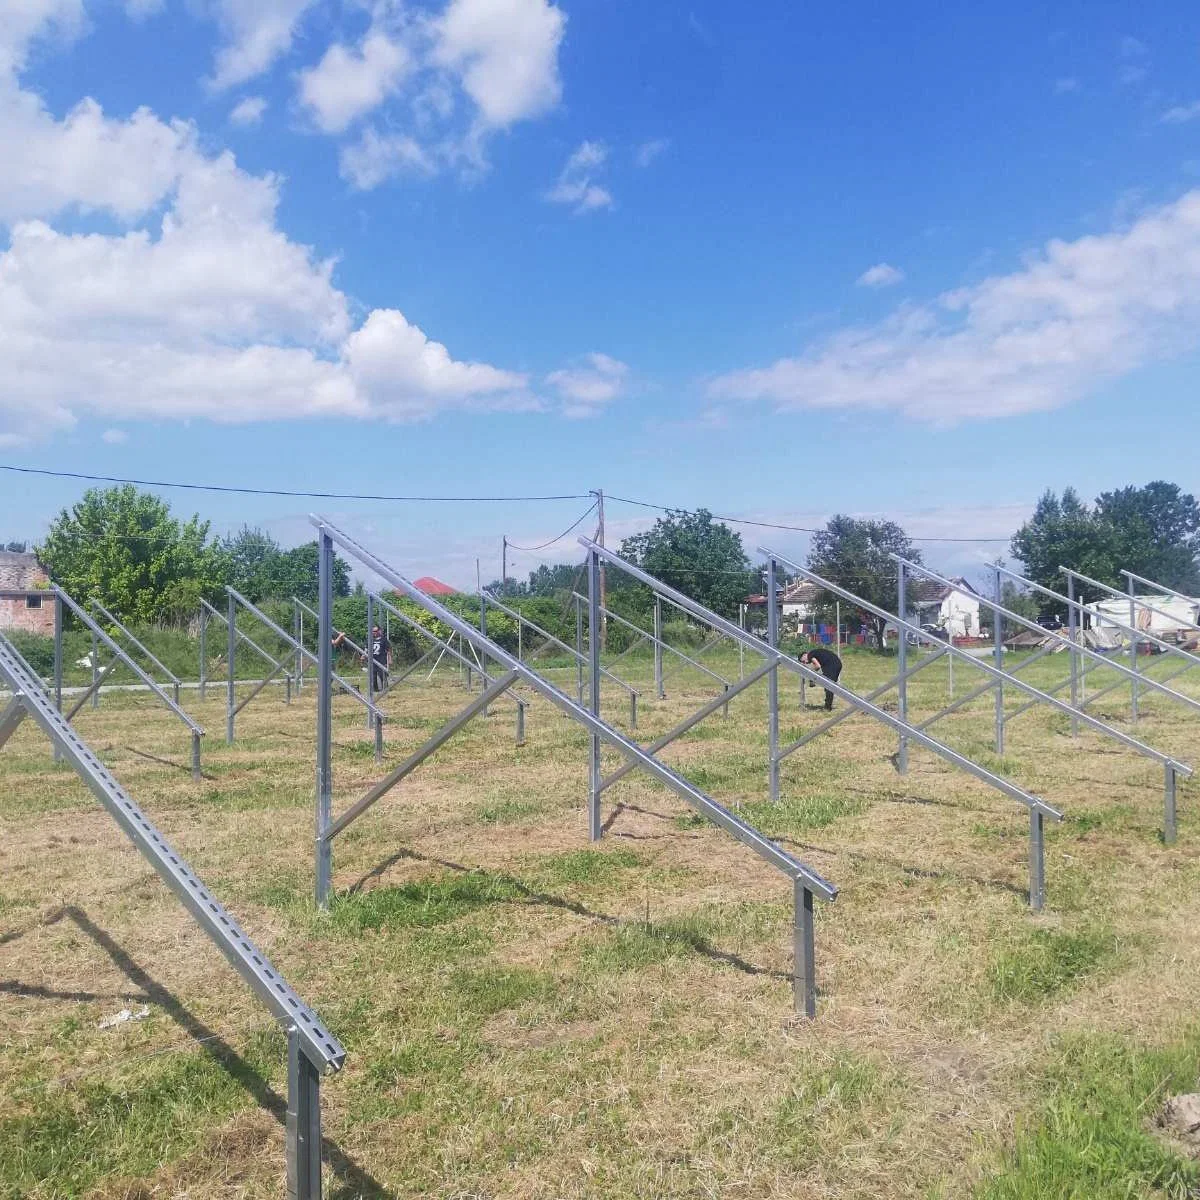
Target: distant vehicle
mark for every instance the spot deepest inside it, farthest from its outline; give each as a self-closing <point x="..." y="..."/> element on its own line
<point x="1050" y="621"/>
<point x="933" y="631"/>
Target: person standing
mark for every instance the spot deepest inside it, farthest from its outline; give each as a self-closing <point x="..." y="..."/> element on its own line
<point x="826" y="663"/>
<point x="381" y="659"/>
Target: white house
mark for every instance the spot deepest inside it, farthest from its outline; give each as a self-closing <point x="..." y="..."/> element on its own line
<point x="954" y="609"/>
<point x="1175" y="614"/>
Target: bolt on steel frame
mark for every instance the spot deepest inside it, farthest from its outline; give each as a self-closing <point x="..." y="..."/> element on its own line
<point x="441" y="648"/>
<point x="1172" y="767"/>
<point x="312" y="1049"/>
<point x="658" y="644"/>
<point x="806" y="883"/>
<point x="1077" y="610"/>
<point x="776" y="659"/>
<point x="119" y="656"/>
<point x="576" y="653"/>
<point x="237" y="600"/>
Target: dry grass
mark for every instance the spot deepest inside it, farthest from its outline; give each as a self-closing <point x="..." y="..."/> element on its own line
<point x="528" y="1016"/>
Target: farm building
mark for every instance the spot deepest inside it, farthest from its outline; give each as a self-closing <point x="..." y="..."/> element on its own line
<point x="434" y="587"/>
<point x="954" y="609"/>
<point x="1174" y="616"/>
<point x="24" y="601"/>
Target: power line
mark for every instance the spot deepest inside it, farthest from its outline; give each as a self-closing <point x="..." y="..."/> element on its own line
<point x="775" y="525"/>
<point x="570" y="529"/>
<point x="254" y="491"/>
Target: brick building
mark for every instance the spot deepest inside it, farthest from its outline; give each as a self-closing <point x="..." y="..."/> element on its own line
<point x="24" y="601"/>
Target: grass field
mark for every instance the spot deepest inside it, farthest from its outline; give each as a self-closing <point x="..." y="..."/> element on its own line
<point x="528" y="1015"/>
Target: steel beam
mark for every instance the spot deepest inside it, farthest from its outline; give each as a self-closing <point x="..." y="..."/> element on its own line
<point x="172" y="678"/>
<point x="324" y="864"/>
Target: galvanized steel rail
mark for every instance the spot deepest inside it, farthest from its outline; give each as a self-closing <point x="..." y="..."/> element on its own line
<point x="196" y="731"/>
<point x="806" y="882"/>
<point x="1038" y="808"/>
<point x="1172" y="767"/>
<point x="312" y="1049"/>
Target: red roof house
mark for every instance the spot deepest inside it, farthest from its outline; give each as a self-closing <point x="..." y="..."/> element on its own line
<point x="434" y="587"/>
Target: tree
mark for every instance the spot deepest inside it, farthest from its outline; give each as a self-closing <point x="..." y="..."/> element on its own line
<point x="1153" y="531"/>
<point x="124" y="548"/>
<point x="1023" y="603"/>
<point x="856" y="555"/>
<point x="696" y="555"/>
<point x="297" y="573"/>
<point x="253" y="556"/>
<point x="17" y="547"/>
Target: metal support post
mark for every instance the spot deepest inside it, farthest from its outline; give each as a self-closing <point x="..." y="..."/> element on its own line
<point x="324" y="865"/>
<point x="658" y="655"/>
<point x="95" y="666"/>
<point x="230" y="657"/>
<point x="998" y="650"/>
<point x="950" y="660"/>
<point x="303" y="1124"/>
<point x="195" y="754"/>
<point x="594" y="825"/>
<point x="203" y="653"/>
<point x="370" y="659"/>
<point x="299" y="618"/>
<point x="772" y="686"/>
<point x="804" y="967"/>
<point x="1037" y="860"/>
<point x="902" y="609"/>
<point x="1133" y="650"/>
<point x="1073" y="633"/>
<point x="520" y="723"/>
<point x="483" y="630"/>
<point x="1169" y="828"/>
<point x="58" y="661"/>
<point x="579" y="648"/>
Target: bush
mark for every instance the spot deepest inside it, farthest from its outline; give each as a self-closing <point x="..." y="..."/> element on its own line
<point x="38" y="649"/>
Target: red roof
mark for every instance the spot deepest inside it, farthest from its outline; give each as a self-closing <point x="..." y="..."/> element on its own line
<point x="434" y="587"/>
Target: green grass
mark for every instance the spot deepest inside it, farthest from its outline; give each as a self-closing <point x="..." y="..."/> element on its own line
<point x="798" y="811"/>
<point x="59" y="1142"/>
<point x="1043" y="962"/>
<point x="584" y="866"/>
<point x="1092" y="1138"/>
<point x="423" y="902"/>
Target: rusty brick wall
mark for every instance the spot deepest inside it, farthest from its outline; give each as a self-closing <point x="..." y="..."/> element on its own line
<point x="16" y="614"/>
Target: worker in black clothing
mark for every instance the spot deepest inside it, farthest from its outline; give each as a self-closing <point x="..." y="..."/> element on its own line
<point x="381" y="654"/>
<point x="827" y="663"/>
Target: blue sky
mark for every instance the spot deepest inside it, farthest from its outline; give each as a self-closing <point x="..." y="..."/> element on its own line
<point x="779" y="260"/>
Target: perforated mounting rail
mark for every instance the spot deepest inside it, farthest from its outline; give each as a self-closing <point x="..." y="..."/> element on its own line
<point x="317" y="1043"/>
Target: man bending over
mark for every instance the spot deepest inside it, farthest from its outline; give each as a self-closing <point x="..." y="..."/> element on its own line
<point x="827" y="663"/>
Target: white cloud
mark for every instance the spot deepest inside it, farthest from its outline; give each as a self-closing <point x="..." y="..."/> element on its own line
<point x="114" y="437"/>
<point x="576" y="184"/>
<point x="1063" y="86"/>
<point x="1074" y="316"/>
<point x="85" y="161"/>
<point x="647" y="152"/>
<point x="201" y="308"/>
<point x="350" y="82"/>
<point x="1181" y="113"/>
<point x="249" y="111"/>
<point x="505" y="53"/>
<point x="22" y="22"/>
<point x="376" y="157"/>
<point x="589" y="386"/>
<point x="256" y="34"/>
<point x="881" y="275"/>
<point x="139" y="10"/>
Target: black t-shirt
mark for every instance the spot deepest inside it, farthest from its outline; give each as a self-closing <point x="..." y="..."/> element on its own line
<point x="831" y="665"/>
<point x="379" y="648"/>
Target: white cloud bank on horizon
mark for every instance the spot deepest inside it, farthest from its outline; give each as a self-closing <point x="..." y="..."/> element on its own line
<point x="1075" y="316"/>
<point x="200" y="307"/>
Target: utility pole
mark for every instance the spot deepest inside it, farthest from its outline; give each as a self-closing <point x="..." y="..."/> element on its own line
<point x="599" y="494"/>
<point x="504" y="565"/>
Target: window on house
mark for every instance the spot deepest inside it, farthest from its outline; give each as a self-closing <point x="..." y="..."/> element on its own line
<point x="33" y="602"/>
